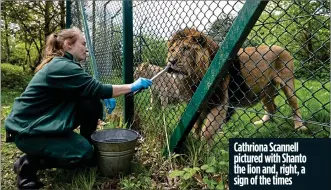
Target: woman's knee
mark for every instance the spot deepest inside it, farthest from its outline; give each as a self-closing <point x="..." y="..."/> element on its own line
<point x="84" y="151"/>
<point x="88" y="152"/>
<point x="65" y="151"/>
<point x="79" y="157"/>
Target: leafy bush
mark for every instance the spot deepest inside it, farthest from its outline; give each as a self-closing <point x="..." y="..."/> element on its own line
<point x="151" y="50"/>
<point x="211" y="175"/>
<point x="312" y="70"/>
<point x="13" y="76"/>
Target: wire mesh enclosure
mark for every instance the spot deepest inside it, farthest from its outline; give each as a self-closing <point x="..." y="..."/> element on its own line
<point x="277" y="85"/>
<point x="105" y="30"/>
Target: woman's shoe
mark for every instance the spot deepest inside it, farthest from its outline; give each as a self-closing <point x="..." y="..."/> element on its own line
<point x="26" y="169"/>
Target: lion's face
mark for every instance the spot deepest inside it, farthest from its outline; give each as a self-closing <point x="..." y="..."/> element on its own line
<point x="182" y="56"/>
<point x="190" y="53"/>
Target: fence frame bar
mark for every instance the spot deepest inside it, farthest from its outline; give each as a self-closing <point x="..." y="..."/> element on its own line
<point x="128" y="58"/>
<point x="68" y="14"/>
<point x="88" y="41"/>
<point x="237" y="34"/>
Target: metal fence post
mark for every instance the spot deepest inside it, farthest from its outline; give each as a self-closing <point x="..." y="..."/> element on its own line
<point x="240" y="29"/>
<point x="128" y="57"/>
<point x="68" y="14"/>
<point x="89" y="43"/>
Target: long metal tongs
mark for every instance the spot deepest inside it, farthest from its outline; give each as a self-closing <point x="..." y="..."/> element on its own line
<point x="153" y="78"/>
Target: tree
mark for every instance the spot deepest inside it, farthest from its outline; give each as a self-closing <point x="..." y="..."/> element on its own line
<point x="5" y="31"/>
<point x="150" y="49"/>
<point x="303" y="28"/>
<point x="219" y="29"/>
<point x="36" y="20"/>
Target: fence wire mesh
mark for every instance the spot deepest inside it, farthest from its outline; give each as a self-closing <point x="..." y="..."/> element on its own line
<point x="278" y="85"/>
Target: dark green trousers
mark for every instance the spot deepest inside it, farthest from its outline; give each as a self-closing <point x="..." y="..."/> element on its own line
<point x="70" y="150"/>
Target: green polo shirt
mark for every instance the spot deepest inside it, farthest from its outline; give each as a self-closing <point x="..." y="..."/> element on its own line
<point x="48" y="103"/>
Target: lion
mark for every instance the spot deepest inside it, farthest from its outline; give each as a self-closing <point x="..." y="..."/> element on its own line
<point x="253" y="75"/>
<point x="168" y="87"/>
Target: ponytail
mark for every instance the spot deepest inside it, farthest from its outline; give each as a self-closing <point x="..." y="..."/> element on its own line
<point x="54" y="45"/>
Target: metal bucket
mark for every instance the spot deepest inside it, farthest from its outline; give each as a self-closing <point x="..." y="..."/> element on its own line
<point x="115" y="150"/>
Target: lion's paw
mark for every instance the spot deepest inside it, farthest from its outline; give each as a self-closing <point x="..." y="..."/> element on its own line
<point x="150" y="108"/>
<point x="300" y="127"/>
<point x="260" y="122"/>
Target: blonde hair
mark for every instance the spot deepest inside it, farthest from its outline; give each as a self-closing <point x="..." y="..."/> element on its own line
<point x="55" y="42"/>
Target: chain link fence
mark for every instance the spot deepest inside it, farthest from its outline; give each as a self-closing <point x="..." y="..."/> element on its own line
<point x="105" y="26"/>
<point x="280" y="89"/>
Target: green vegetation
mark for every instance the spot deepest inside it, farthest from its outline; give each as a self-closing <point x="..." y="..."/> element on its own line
<point x="151" y="50"/>
<point x="202" y="166"/>
<point x="302" y="27"/>
<point x="13" y="76"/>
<point x="26" y="24"/>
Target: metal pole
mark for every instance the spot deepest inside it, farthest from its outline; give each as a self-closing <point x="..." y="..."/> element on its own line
<point x="237" y="34"/>
<point x="93" y="25"/>
<point x="128" y="57"/>
<point x="88" y="41"/>
<point x="68" y="14"/>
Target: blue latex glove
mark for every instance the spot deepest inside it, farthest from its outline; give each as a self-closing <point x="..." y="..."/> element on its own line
<point x="110" y="104"/>
<point x="141" y="83"/>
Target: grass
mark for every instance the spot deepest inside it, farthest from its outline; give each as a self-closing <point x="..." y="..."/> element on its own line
<point x="314" y="99"/>
<point x="202" y="165"/>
